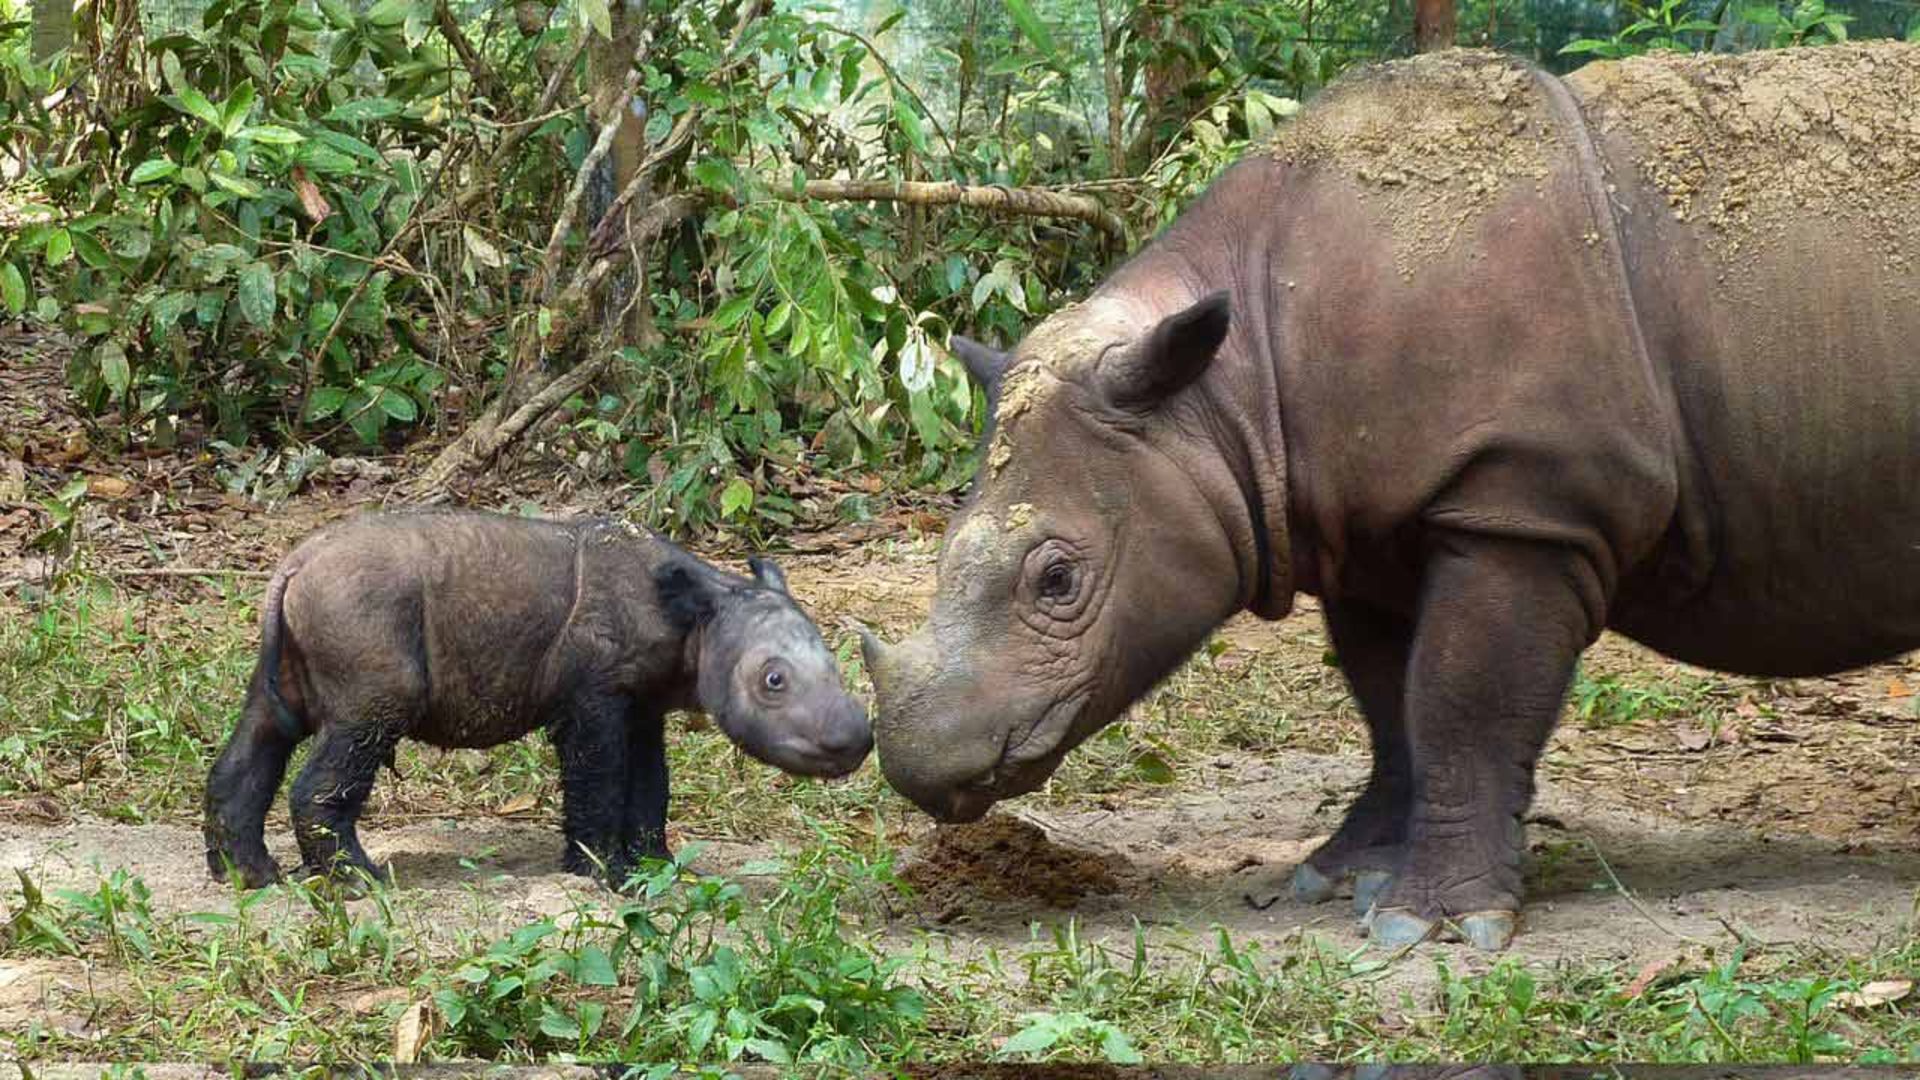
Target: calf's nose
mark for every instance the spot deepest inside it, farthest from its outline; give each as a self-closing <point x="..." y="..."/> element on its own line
<point x="850" y="735"/>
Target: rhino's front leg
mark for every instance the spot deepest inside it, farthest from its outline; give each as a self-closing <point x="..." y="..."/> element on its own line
<point x="1373" y="647"/>
<point x="1500" y="627"/>
<point x="644" y="826"/>
<point x="590" y="738"/>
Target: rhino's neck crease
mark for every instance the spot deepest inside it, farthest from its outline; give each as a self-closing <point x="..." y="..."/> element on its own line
<point x="1238" y="449"/>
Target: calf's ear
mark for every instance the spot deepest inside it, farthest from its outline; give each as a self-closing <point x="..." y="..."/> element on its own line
<point x="687" y="599"/>
<point x="1169" y="357"/>
<point x="768" y="575"/>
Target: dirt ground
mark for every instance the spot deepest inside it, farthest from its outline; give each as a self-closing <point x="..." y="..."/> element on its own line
<point x="1793" y="816"/>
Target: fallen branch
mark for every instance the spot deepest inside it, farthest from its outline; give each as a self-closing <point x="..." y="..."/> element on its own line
<point x="188" y="571"/>
<point x="1029" y="202"/>
<point x="491" y="432"/>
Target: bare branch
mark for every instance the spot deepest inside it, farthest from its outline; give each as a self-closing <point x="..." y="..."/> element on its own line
<point x="1029" y="202"/>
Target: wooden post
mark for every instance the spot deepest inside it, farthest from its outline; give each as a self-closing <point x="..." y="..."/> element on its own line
<point x="1434" y="23"/>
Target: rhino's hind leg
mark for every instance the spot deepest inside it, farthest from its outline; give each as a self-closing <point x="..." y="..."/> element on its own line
<point x="1373" y="648"/>
<point x="591" y="738"/>
<point x="241" y="787"/>
<point x="1501" y="626"/>
<point x="332" y="789"/>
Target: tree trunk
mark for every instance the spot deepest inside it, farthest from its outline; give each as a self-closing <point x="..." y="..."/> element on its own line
<point x="608" y="62"/>
<point x="1434" y="23"/>
<point x="1157" y="26"/>
<point x="1116" y="103"/>
<point x="52" y="27"/>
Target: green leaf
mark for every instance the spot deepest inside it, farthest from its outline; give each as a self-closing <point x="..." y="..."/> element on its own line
<point x="114" y="370"/>
<point x="322" y="403"/>
<point x="700" y="1032"/>
<point x="1031" y="26"/>
<point x="598" y="17"/>
<point x="1913" y="29"/>
<point x="1034" y="1040"/>
<point x="850" y="73"/>
<point x="362" y="110"/>
<point x="768" y="1050"/>
<point x="734" y="500"/>
<point x="778" y="318"/>
<point x="347" y="144"/>
<point x="367" y="424"/>
<point x="555" y="1025"/>
<point x="1153" y="768"/>
<point x="272" y="135"/>
<point x="256" y="294"/>
<point x="240" y="186"/>
<point x="714" y="173"/>
<point x="1118" y="1048"/>
<point x="337" y="13"/>
<point x="398" y="405"/>
<point x="596" y="968"/>
<point x="13" y="288"/>
<point x="910" y="123"/>
<point x="59" y="247"/>
<point x="153" y="169"/>
<point x="195" y="104"/>
<point x="233" y="115"/>
<point x="92" y="252"/>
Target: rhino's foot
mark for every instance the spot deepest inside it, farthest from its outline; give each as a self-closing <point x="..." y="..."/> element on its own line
<point x="1367" y="887"/>
<point x="1400" y="928"/>
<point x="1329" y="872"/>
<point x="349" y="878"/>
<point x="247" y="873"/>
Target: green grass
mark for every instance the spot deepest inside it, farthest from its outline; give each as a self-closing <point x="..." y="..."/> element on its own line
<point x="694" y="970"/>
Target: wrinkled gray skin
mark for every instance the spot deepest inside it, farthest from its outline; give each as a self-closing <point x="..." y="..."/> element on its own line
<point x="1563" y="423"/>
<point x="470" y="630"/>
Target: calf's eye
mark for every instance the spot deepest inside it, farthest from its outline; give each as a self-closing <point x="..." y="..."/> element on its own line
<point x="776" y="680"/>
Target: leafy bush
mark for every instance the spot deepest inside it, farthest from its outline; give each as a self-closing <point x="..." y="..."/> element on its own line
<point x="679" y="974"/>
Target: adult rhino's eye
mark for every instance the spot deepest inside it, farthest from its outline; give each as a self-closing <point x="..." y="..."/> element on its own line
<point x="1056" y="582"/>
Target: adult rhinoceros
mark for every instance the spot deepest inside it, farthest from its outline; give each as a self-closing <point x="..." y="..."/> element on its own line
<point x="1488" y="361"/>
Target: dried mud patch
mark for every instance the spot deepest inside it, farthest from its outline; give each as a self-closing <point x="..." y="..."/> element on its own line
<point x="1435" y="142"/>
<point x="1750" y="142"/>
<point x="1003" y="859"/>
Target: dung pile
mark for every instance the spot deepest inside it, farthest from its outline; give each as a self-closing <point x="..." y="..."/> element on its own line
<point x="1001" y="858"/>
<point x="1749" y="143"/>
<point x="1434" y="142"/>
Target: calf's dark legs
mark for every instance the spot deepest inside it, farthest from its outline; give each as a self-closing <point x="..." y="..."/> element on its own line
<point x="644" y="826"/>
<point x="591" y="737"/>
<point x="332" y="789"/>
<point x="1500" y="626"/>
<point x="241" y="787"/>
<point x="1373" y="647"/>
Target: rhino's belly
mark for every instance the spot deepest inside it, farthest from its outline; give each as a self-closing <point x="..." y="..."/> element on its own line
<point x="1814" y="567"/>
<point x="465" y="721"/>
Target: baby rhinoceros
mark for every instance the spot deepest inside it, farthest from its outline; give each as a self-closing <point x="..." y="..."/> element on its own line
<point x="470" y="630"/>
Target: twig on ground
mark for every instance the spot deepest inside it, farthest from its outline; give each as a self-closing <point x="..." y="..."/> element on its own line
<point x="188" y="572"/>
<point x="1645" y="912"/>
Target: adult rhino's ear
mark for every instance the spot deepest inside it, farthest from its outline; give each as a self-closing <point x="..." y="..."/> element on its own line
<point x="984" y="364"/>
<point x="1169" y="357"/>
<point x="768" y="575"/>
<point x="686" y="598"/>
